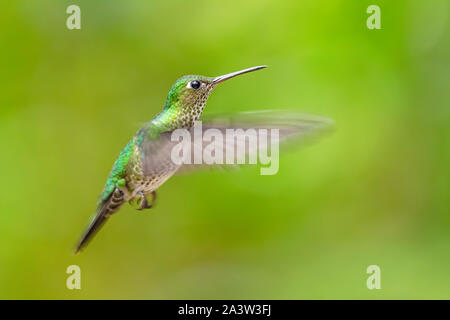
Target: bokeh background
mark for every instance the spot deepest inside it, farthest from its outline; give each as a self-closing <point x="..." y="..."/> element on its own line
<point x="374" y="192"/>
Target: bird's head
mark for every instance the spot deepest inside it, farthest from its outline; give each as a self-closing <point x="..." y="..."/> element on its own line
<point x="188" y="95"/>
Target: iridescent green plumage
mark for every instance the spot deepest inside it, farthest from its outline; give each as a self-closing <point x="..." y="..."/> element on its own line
<point x="119" y="170"/>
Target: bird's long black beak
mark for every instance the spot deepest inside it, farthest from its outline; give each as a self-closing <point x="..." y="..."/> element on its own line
<point x="220" y="79"/>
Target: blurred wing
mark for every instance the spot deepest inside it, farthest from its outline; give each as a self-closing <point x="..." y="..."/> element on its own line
<point x="289" y="124"/>
<point x="282" y="127"/>
<point x="156" y="154"/>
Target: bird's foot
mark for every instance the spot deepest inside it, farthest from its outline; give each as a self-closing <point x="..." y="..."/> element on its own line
<point x="144" y="204"/>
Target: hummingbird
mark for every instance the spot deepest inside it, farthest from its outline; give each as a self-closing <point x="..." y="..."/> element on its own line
<point x="145" y="164"/>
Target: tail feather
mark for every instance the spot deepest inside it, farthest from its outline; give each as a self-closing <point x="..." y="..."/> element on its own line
<point x="106" y="208"/>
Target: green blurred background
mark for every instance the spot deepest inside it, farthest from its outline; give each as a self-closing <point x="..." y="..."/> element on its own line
<point x="374" y="192"/>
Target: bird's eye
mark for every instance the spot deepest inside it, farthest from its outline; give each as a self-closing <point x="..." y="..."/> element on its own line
<point x="195" y="84"/>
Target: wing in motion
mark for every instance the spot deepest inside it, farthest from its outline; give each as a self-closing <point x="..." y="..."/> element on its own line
<point x="281" y="127"/>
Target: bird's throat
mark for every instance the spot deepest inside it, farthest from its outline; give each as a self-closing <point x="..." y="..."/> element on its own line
<point x="179" y="117"/>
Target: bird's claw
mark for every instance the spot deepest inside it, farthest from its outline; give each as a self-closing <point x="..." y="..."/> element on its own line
<point x="144" y="201"/>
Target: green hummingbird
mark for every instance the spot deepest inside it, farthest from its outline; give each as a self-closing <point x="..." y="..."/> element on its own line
<point x="145" y="162"/>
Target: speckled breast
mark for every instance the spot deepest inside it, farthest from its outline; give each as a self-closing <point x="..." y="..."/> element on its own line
<point x="139" y="182"/>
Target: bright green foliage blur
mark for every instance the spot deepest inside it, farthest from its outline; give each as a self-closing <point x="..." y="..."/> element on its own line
<point x="374" y="192"/>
